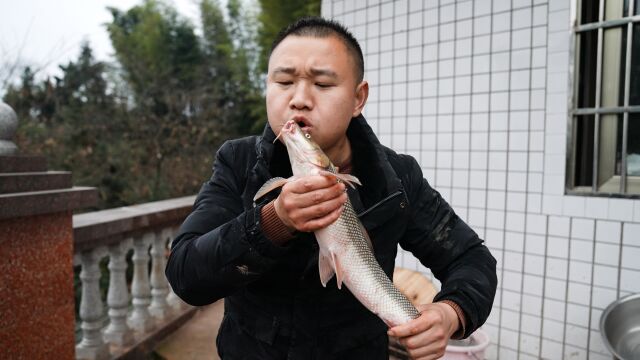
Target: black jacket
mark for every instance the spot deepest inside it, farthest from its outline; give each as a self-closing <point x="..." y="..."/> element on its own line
<point x="273" y="297"/>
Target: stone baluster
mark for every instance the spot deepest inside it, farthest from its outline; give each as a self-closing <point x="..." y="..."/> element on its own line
<point x="159" y="286"/>
<point x="174" y="301"/>
<point x="118" y="332"/>
<point x="140" y="319"/>
<point x="92" y="345"/>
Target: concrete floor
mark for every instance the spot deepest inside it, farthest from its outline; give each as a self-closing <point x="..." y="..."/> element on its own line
<point x="195" y="340"/>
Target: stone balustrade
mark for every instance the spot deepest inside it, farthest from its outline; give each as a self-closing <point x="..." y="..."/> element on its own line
<point x="129" y="323"/>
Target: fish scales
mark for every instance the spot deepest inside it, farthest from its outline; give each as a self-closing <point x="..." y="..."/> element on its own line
<point x="363" y="275"/>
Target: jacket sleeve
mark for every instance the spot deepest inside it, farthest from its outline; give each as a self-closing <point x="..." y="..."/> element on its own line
<point x="220" y="247"/>
<point x="451" y="249"/>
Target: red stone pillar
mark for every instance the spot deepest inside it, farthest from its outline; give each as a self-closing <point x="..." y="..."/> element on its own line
<point x="36" y="250"/>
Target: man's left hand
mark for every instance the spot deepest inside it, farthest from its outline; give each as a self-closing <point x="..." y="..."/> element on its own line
<point x="426" y="337"/>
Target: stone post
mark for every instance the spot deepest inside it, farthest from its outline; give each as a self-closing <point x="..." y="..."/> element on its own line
<point x="92" y="346"/>
<point x="8" y="125"/>
<point x="159" y="307"/>
<point x="118" y="332"/>
<point x="140" y="319"/>
<point x="37" y="318"/>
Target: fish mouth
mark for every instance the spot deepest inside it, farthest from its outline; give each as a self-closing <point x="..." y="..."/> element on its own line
<point x="289" y="127"/>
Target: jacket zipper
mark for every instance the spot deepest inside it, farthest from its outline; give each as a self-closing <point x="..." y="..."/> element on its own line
<point x="379" y="203"/>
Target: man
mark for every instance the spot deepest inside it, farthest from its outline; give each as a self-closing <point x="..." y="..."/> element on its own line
<point x="262" y="258"/>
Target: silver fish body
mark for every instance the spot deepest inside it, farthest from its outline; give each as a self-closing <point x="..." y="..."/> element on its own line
<point x="344" y="246"/>
<point x="346" y="242"/>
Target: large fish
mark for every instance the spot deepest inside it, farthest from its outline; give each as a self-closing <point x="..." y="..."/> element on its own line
<point x="345" y="247"/>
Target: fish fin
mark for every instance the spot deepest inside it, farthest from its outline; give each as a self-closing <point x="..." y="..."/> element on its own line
<point x="271" y="184"/>
<point x="347" y="178"/>
<point x="337" y="269"/>
<point x="366" y="236"/>
<point x="326" y="269"/>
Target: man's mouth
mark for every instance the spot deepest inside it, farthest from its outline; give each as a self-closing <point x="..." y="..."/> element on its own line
<point x="302" y="122"/>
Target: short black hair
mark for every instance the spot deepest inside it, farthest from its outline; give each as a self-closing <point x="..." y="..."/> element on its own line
<point x="315" y="26"/>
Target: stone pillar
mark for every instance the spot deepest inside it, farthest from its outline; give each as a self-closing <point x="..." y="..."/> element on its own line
<point x="140" y="319"/>
<point x="8" y="125"/>
<point x="92" y="346"/>
<point x="159" y="307"/>
<point x="118" y="332"/>
<point x="36" y="247"/>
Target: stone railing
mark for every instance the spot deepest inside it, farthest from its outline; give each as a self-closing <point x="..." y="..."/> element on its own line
<point x="134" y="322"/>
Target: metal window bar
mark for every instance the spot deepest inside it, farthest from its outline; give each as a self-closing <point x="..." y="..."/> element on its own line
<point x="596" y="130"/>
<point x="608" y="23"/>
<point x="627" y="90"/>
<point x="607" y="110"/>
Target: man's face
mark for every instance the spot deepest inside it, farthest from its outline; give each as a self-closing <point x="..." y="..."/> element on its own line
<point x="313" y="82"/>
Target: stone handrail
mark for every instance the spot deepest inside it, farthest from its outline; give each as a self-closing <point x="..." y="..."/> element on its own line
<point x="147" y="229"/>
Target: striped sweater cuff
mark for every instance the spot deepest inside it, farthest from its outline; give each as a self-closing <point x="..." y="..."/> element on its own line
<point x="461" y="330"/>
<point x="272" y="227"/>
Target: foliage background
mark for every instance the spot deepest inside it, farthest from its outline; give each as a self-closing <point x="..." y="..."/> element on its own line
<point x="147" y="126"/>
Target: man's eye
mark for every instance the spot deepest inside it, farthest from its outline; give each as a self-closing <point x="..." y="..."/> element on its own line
<point x="285" y="82"/>
<point x="324" y="85"/>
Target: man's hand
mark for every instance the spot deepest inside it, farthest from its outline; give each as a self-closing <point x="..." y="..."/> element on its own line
<point x="310" y="202"/>
<point x="426" y="336"/>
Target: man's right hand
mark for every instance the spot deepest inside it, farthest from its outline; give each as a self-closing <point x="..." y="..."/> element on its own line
<point x="311" y="202"/>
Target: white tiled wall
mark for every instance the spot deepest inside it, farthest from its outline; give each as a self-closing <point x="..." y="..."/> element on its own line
<point x="478" y="92"/>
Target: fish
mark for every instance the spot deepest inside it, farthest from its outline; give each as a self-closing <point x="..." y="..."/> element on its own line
<point x="345" y="249"/>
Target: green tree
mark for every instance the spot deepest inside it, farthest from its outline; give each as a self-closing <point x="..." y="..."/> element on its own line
<point x="164" y="66"/>
<point x="275" y="15"/>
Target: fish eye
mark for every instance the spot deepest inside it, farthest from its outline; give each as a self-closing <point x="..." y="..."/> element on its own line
<point x="307" y="135"/>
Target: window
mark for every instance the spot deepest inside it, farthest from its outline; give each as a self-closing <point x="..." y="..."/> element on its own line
<point x="605" y="131"/>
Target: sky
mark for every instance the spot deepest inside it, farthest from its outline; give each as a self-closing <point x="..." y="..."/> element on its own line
<point x="45" y="33"/>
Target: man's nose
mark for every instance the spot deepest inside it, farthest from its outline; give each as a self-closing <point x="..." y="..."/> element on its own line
<point x="301" y="98"/>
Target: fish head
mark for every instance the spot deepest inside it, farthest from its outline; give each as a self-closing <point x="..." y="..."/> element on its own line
<point x="305" y="155"/>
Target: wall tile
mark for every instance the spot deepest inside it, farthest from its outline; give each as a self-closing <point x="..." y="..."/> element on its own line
<point x="607" y="254"/>
<point x="597" y="207"/>
<point x="602" y="297"/>
<point x="530" y="345"/>
<point x="578" y="315"/>
<point x="606" y="276"/>
<point x="580" y="271"/>
<point x="577" y="336"/>
<point x="621" y="209"/>
<point x="551" y="349"/>
<point x="629" y="280"/>
<point x="555" y="289"/>
<point x="631" y="234"/>
<point x="579" y="293"/>
<point x="608" y="231"/>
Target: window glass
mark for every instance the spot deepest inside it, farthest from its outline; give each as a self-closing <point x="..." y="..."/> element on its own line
<point x="633" y="145"/>
<point x="588" y="41"/>
<point x="636" y="6"/>
<point x="634" y="88"/>
<point x="589" y="11"/>
<point x="613" y="65"/>
<point x="615" y="9"/>
<point x="609" y="147"/>
<point x="584" y="126"/>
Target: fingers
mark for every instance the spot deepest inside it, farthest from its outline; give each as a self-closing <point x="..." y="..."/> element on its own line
<point x="430" y="344"/>
<point x="308" y="184"/>
<point x="427" y="336"/>
<point x="311" y="202"/>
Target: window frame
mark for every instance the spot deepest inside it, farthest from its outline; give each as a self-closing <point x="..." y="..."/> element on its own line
<point x="622" y="180"/>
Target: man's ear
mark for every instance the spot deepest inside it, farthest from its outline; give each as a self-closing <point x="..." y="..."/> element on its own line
<point x="362" y="93"/>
